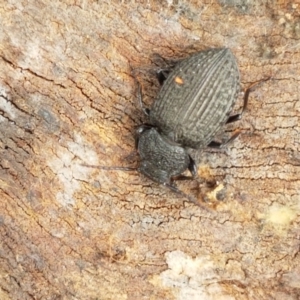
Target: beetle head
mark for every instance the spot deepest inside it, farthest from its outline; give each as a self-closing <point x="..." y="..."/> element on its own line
<point x="161" y="159"/>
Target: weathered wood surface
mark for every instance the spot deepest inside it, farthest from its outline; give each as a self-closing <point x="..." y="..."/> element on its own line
<point x="67" y="97"/>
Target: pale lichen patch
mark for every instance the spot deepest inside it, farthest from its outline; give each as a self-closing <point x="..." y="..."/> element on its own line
<point x="69" y="170"/>
<point x="6" y="106"/>
<point x="280" y="215"/>
<point x="278" y="218"/>
<point x="192" y="278"/>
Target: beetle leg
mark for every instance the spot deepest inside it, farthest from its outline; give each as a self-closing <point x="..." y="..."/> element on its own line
<point x="246" y="97"/>
<point x="192" y="167"/>
<point x="237" y="117"/>
<point x="145" y="109"/>
<point x="162" y="75"/>
<point x="164" y="72"/>
<point x="181" y="177"/>
<point x="169" y="63"/>
<point x="218" y="145"/>
<point x="182" y="194"/>
<point x="213" y="144"/>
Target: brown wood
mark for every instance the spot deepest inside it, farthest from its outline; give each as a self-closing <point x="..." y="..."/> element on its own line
<point x="67" y="97"/>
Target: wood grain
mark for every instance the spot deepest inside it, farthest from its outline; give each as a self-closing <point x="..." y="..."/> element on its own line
<point x="67" y="98"/>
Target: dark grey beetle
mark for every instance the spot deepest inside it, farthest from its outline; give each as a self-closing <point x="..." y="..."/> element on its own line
<point x="193" y="104"/>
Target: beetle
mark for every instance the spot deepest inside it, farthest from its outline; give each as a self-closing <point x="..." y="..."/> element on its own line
<point x="194" y="103"/>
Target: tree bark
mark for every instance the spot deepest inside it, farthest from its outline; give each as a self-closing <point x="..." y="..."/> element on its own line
<point x="68" y="98"/>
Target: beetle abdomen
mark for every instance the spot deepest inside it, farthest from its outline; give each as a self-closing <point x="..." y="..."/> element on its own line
<point x="197" y="97"/>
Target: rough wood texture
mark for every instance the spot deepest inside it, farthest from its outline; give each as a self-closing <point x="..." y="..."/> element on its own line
<point x="67" y="97"/>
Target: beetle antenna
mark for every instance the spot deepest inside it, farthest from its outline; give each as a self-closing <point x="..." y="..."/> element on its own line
<point x="171" y="187"/>
<point x="110" y="168"/>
